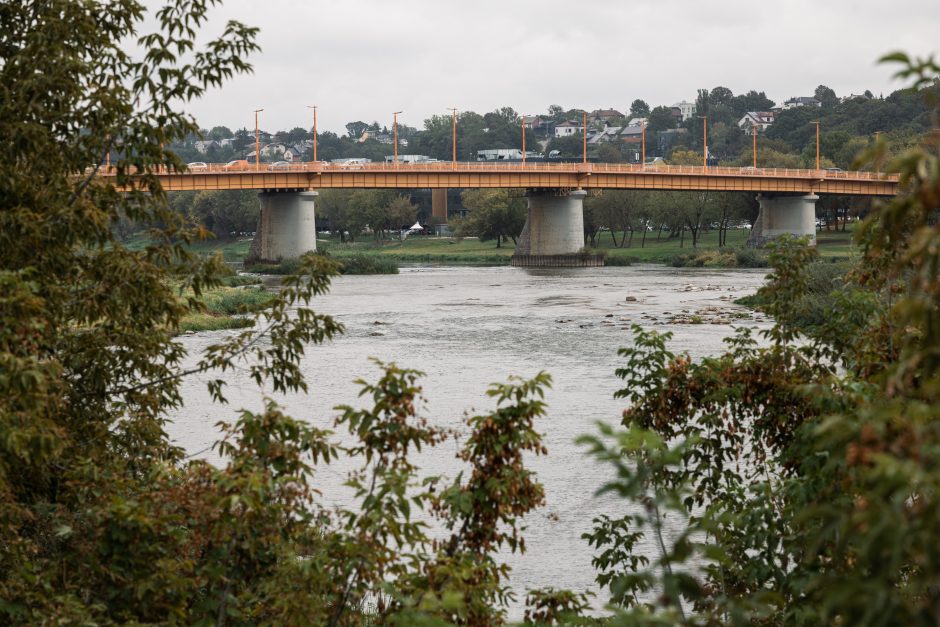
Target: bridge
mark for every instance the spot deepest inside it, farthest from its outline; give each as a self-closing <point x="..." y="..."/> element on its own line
<point x="553" y="233"/>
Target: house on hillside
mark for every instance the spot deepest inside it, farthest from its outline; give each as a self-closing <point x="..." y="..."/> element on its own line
<point x="632" y="134"/>
<point x="605" y="135"/>
<point x="274" y="149"/>
<point x="379" y="136"/>
<point x="756" y="121"/>
<point x="567" y="128"/>
<point x="686" y="110"/>
<point x="293" y="154"/>
<point x="532" y="121"/>
<point x="799" y="101"/>
<point x="605" y="115"/>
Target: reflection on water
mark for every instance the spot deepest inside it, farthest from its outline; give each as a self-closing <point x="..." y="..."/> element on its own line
<point x="467" y="327"/>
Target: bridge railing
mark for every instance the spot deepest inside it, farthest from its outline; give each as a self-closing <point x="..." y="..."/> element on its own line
<point x="565" y="168"/>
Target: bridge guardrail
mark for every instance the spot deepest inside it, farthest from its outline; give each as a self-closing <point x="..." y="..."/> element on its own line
<point x="567" y="168"/>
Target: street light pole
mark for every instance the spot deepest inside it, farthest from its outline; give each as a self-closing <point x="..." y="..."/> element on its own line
<point x="817" y="143"/>
<point x="395" y="134"/>
<point x="314" y="107"/>
<point x="584" y="133"/>
<point x="523" y="138"/>
<point x="877" y="154"/>
<point x="643" y="144"/>
<point x="705" y="141"/>
<point x="754" y="137"/>
<point x="257" y="145"/>
<point x="454" y="137"/>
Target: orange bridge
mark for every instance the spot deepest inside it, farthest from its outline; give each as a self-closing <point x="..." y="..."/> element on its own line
<point x="560" y="176"/>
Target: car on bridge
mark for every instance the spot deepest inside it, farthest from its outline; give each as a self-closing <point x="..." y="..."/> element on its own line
<point x="197" y="166"/>
<point x="237" y="164"/>
<point x="280" y="165"/>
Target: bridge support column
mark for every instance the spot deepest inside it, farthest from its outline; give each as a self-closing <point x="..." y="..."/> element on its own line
<point x="779" y="215"/>
<point x="287" y="226"/>
<point x="553" y="235"/>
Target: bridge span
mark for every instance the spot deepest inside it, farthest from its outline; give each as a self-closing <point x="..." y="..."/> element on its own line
<point x="562" y="176"/>
<point x="553" y="233"/>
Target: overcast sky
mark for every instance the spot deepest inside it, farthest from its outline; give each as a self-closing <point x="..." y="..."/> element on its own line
<point x="364" y="59"/>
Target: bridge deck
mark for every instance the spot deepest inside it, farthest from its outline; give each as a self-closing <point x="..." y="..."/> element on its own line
<point x="320" y="175"/>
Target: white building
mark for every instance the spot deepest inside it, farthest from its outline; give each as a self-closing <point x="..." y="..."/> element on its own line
<point x="756" y="121"/>
<point x="800" y="101"/>
<point x="686" y="109"/>
<point x="568" y="127"/>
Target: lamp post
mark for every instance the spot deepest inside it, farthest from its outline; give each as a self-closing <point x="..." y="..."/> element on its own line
<point x="314" y="107"/>
<point x="754" y="138"/>
<point x="643" y="145"/>
<point x="877" y="156"/>
<point x="704" y="141"/>
<point x="454" y="136"/>
<point x="257" y="145"/>
<point x="523" y="138"/>
<point x="584" y="134"/>
<point x="817" y="142"/>
<point x="395" y="134"/>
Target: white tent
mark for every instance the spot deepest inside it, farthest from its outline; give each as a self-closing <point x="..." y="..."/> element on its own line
<point x="416" y="227"/>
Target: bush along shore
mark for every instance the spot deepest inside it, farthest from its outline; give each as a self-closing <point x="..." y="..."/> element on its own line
<point x="224" y="307"/>
<point x="349" y="264"/>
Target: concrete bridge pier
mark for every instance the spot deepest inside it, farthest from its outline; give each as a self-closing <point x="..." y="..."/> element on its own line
<point x="553" y="235"/>
<point x="286" y="227"/>
<point x="782" y="214"/>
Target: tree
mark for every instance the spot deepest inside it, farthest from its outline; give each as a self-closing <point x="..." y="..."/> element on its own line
<point x="567" y="146"/>
<point x="242" y="140"/>
<point x="219" y="132"/>
<point x="751" y="101"/>
<point x="826" y="96"/>
<point x="102" y="519"/>
<point x="354" y="130"/>
<point x="639" y="108"/>
<point x="660" y="119"/>
<point x="720" y="97"/>
<point x="332" y="206"/>
<point x="702" y="102"/>
<point x="494" y="214"/>
<point x="401" y="212"/>
<point x="796" y="473"/>
<point x="225" y="213"/>
<point x="609" y="153"/>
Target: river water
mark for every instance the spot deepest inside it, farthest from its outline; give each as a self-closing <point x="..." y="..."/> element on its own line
<point x="466" y="327"/>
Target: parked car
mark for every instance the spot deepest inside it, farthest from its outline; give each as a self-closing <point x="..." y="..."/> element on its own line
<point x="238" y="164"/>
<point x="280" y="165"/>
<point x="197" y="166"/>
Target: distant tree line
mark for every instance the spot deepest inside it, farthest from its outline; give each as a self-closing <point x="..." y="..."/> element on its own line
<point x="847" y="127"/>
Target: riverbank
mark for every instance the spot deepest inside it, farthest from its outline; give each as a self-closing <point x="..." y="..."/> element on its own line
<point x="657" y="248"/>
<point x="226" y="305"/>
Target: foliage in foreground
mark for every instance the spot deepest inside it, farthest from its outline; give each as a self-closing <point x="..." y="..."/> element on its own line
<point x="103" y="520"/>
<point x="801" y="475"/>
<point x="793" y="481"/>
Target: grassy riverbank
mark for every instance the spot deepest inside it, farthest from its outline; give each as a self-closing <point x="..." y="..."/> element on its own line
<point x="225" y="306"/>
<point x="470" y="251"/>
<point x="653" y="250"/>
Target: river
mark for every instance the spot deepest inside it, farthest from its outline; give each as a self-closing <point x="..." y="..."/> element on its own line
<point x="466" y="327"/>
